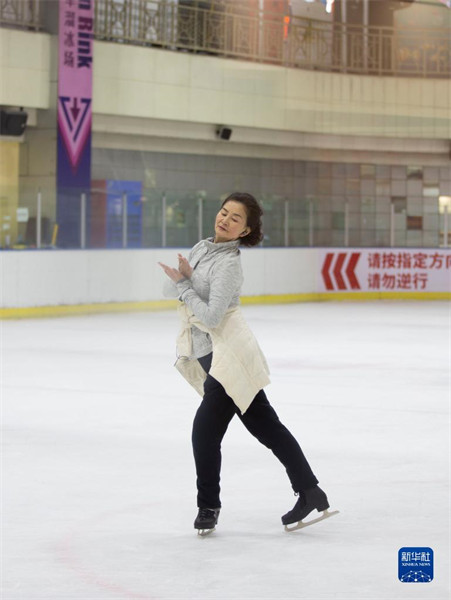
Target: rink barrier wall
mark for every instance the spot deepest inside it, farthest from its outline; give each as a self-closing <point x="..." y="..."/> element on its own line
<point x="152" y="306"/>
<point x="51" y="283"/>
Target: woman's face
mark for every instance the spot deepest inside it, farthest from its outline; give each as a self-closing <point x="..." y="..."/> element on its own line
<point x="231" y="222"/>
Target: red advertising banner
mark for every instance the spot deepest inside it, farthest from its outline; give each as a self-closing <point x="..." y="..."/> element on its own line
<point x="384" y="270"/>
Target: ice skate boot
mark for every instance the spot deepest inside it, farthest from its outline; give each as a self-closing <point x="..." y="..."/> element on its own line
<point x="309" y="500"/>
<point x="206" y="521"/>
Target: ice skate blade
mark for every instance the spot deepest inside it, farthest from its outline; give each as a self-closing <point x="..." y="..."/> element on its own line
<point x="205" y="532"/>
<point x="301" y="524"/>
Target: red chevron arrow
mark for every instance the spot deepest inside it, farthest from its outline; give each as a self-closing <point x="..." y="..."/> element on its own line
<point x="336" y="276"/>
<point x="325" y="271"/>
<point x="350" y="271"/>
<point x="337" y="271"/>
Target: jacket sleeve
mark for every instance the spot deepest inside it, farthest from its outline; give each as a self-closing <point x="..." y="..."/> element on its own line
<point x="224" y="283"/>
<point x="170" y="289"/>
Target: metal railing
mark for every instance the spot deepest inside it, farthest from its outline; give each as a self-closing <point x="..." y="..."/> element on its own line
<point x="161" y="219"/>
<point x="232" y="29"/>
<point x="23" y="14"/>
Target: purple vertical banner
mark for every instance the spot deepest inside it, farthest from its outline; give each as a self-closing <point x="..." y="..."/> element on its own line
<point x="76" y="27"/>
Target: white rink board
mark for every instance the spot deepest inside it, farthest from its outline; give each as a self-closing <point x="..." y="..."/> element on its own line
<point x="68" y="277"/>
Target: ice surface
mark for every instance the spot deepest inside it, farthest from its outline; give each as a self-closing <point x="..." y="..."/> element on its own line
<point x="98" y="483"/>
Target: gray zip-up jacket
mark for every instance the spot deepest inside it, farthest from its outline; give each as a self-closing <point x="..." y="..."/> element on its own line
<point x="214" y="286"/>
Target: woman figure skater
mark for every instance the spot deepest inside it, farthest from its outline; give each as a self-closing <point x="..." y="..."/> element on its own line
<point x="219" y="356"/>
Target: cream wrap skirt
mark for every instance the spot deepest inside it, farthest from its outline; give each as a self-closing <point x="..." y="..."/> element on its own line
<point x="238" y="362"/>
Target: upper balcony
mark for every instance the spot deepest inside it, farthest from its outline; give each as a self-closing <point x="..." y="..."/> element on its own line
<point x="242" y="30"/>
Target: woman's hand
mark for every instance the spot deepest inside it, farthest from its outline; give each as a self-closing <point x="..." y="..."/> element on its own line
<point x="184" y="267"/>
<point x="172" y="273"/>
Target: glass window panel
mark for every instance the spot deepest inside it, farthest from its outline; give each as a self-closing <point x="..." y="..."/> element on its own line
<point x="324" y="170"/>
<point x="369" y="205"/>
<point x="338" y="237"/>
<point x="338" y="220"/>
<point x="398" y="173"/>
<point x="382" y="221"/>
<point x="354" y="220"/>
<point x="430" y="206"/>
<point x="444" y="204"/>
<point x="338" y="171"/>
<point x="354" y="237"/>
<point x="415" y="206"/>
<point x="323" y="220"/>
<point x="354" y="203"/>
<point x="367" y="186"/>
<point x="352" y="171"/>
<point x="152" y="218"/>
<point x="382" y="238"/>
<point x="338" y="203"/>
<point x="299" y="222"/>
<point x="414" y="238"/>
<point x="415" y="172"/>
<point x="398" y="187"/>
<point x="325" y="186"/>
<point x="400" y="204"/>
<point x="273" y="220"/>
<point x="298" y="187"/>
<point x="383" y="204"/>
<point x="182" y="225"/>
<point x="400" y="221"/>
<point x="338" y="186"/>
<point x="367" y="171"/>
<point x="414" y="188"/>
<point x="299" y="169"/>
<point x="353" y="186"/>
<point x="431" y="238"/>
<point x="310" y="186"/>
<point x="431" y="222"/>
<point x="383" y="172"/>
<point x="414" y="223"/>
<point x="431" y="190"/>
<point x="311" y="169"/>
<point x="442" y="230"/>
<point x="400" y="237"/>
<point x="431" y="174"/>
<point x="383" y="188"/>
<point x="368" y="221"/>
<point x="368" y="237"/>
<point x="210" y="208"/>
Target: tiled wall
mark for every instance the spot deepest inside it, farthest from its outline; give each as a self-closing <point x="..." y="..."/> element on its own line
<point x="317" y="194"/>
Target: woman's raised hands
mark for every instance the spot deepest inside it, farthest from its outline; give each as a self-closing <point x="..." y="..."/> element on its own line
<point x="184" y="270"/>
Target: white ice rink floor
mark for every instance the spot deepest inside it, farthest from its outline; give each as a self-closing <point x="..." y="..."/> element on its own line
<point x="98" y="480"/>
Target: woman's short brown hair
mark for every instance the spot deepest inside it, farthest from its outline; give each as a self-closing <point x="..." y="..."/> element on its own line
<point x="254" y="214"/>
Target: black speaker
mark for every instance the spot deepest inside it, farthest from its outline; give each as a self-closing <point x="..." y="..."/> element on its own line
<point x="223" y="133"/>
<point x="13" y="122"/>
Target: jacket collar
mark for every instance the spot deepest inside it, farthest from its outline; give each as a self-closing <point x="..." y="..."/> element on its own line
<point x="221" y="246"/>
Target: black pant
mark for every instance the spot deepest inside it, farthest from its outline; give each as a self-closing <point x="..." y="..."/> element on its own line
<point x="210" y="424"/>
